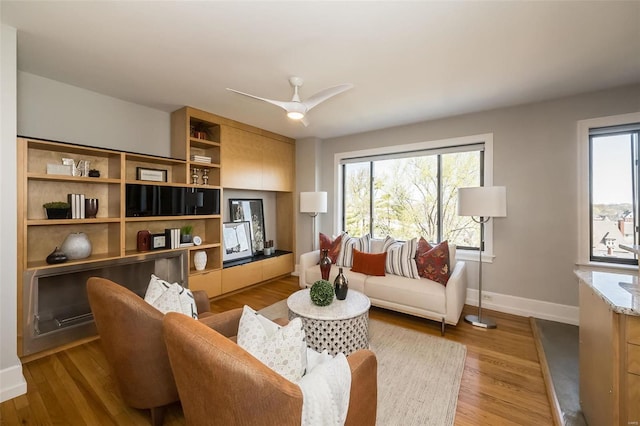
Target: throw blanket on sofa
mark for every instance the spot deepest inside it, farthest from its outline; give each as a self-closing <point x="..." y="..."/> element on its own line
<point x="325" y="389"/>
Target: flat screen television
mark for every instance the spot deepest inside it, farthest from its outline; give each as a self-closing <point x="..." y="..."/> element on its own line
<point x="156" y="200"/>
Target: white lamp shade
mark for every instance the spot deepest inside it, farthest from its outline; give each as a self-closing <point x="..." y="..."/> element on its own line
<point x="482" y="201"/>
<point x="313" y="202"/>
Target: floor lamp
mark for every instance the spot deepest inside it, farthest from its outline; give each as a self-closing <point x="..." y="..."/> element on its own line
<point x="313" y="203"/>
<point x="482" y="203"/>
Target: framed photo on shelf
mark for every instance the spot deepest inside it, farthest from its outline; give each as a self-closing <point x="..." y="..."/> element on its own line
<point x="236" y="237"/>
<point x="154" y="175"/>
<point x="158" y="241"/>
<point x="250" y="210"/>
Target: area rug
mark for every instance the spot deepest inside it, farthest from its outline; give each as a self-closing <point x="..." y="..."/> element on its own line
<point x="418" y="374"/>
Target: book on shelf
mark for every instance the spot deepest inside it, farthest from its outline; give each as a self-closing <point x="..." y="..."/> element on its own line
<point x="76" y="202"/>
<point x="186" y="245"/>
<point x="172" y="238"/>
<point x="201" y="159"/>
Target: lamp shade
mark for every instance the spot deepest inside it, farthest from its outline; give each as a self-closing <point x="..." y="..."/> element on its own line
<point x="313" y="202"/>
<point x="482" y="201"/>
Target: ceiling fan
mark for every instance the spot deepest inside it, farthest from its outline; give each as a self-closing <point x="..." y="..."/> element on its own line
<point x="296" y="108"/>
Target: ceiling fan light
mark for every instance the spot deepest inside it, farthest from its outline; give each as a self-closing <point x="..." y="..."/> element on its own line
<point x="295" y="115"/>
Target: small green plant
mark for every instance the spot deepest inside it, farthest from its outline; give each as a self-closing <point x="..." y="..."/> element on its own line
<point x="56" y="205"/>
<point x="322" y="293"/>
<point x="186" y="230"/>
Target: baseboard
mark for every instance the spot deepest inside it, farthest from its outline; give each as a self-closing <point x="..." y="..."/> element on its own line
<point x="12" y="383"/>
<point x="524" y="307"/>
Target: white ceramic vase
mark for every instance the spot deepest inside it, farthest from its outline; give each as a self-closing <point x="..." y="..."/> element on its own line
<point x="76" y="246"/>
<point x="200" y="260"/>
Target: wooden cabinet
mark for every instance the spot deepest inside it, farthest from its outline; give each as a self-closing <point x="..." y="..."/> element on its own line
<point x="240" y="276"/>
<point x="609" y="362"/>
<point x="209" y="281"/>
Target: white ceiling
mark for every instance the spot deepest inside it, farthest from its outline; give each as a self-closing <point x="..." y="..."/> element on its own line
<point x="409" y="61"/>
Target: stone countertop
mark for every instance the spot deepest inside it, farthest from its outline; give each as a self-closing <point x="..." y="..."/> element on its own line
<point x="621" y="291"/>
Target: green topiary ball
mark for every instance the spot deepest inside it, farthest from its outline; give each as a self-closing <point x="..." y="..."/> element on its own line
<point x="322" y="293"/>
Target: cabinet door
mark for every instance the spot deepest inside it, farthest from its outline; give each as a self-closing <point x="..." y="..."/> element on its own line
<point x="241" y="159"/>
<point x="633" y="399"/>
<point x="241" y="276"/>
<point x="277" y="166"/>
<point x="277" y="266"/>
<point x="208" y="281"/>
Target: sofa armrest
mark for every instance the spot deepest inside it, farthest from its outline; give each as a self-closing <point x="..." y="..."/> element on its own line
<point x="202" y="301"/>
<point x="456" y="293"/>
<point x="306" y="260"/>
<point x="363" y="396"/>
<point x="225" y="323"/>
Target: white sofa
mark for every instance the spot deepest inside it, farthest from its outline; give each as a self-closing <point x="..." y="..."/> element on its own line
<point x="422" y="297"/>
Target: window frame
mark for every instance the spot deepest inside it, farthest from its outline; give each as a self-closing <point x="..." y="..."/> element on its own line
<point x="487" y="178"/>
<point x="584" y="189"/>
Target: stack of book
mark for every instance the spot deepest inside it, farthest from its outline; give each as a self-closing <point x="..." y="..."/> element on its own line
<point x="172" y="238"/>
<point x="201" y="159"/>
<point x="76" y="201"/>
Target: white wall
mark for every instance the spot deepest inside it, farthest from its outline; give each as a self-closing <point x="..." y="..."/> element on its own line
<point x="307" y="179"/>
<point x="535" y="157"/>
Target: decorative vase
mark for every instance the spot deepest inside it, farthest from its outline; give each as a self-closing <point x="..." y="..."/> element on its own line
<point x="341" y="285"/>
<point x="90" y="208"/>
<point x="185" y="238"/>
<point x="57" y="213"/>
<point x="200" y="260"/>
<point x="76" y="246"/>
<point x="325" y="265"/>
<point x="56" y="256"/>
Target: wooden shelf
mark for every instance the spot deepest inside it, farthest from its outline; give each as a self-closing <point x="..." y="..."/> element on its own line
<point x="55" y="222"/>
<point x="93" y="258"/>
<point x="169" y="218"/>
<point x="65" y="178"/>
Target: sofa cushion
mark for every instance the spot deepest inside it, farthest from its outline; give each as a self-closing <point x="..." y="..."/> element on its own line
<point x="355" y="279"/>
<point x="422" y="294"/>
<point x="423" y="247"/>
<point x="332" y="246"/>
<point x="401" y="257"/>
<point x="346" y="249"/>
<point x="369" y="263"/>
<point x="434" y="264"/>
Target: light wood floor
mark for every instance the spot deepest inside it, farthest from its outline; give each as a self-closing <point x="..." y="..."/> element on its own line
<point x="502" y="382"/>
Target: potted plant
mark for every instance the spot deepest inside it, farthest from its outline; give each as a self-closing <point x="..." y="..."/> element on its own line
<point x="185" y="234"/>
<point x="57" y="209"/>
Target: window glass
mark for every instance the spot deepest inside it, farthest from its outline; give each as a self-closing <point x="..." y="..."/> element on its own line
<point x="356" y="192"/>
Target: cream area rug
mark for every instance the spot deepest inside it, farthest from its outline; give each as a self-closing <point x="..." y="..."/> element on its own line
<point x="418" y="374"/>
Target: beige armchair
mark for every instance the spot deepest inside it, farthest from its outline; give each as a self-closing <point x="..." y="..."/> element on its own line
<point x="131" y="334"/>
<point x="220" y="383"/>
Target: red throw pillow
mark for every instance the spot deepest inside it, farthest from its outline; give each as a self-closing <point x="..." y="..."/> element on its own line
<point x="434" y="264"/>
<point x="332" y="246"/>
<point x="369" y="263"/>
<point x="423" y="247"/>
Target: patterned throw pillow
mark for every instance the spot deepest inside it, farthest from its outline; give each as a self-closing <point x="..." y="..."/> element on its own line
<point x="401" y="257"/>
<point x="434" y="264"/>
<point x="332" y="246"/>
<point x="167" y="297"/>
<point x="369" y="263"/>
<point x="423" y="247"/>
<point x="345" y="258"/>
<point x="283" y="349"/>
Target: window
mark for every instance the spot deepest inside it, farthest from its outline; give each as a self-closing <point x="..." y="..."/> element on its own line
<point x="613" y="192"/>
<point x="412" y="193"/>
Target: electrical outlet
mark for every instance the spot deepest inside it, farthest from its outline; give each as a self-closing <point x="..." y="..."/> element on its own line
<point x="486" y="297"/>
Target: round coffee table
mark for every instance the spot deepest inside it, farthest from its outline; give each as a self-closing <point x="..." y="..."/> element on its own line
<point x="343" y="326"/>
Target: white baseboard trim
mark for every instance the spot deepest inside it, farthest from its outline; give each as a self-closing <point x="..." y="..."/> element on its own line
<point x="12" y="383"/>
<point x="525" y="307"/>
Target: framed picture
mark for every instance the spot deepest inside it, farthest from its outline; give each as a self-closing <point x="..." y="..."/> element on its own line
<point x="249" y="210"/>
<point x="158" y="241"/>
<point x="154" y="175"/>
<point x="236" y="237"/>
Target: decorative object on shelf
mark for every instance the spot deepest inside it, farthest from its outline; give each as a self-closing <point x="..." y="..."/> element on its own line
<point x="197" y="240"/>
<point x="76" y="246"/>
<point x="236" y="237"/>
<point x="60" y="169"/>
<point x="325" y="264"/>
<point x="268" y="248"/>
<point x="194" y="175"/>
<point x="250" y="210"/>
<point x="94" y="173"/>
<point x="483" y="203"/>
<point x="322" y="293"/>
<point x="205" y="176"/>
<point x="200" y="260"/>
<point x="313" y="203"/>
<point x="341" y="285"/>
<point x="56" y="256"/>
<point x="200" y="130"/>
<point x="90" y="208"/>
<point x="185" y="234"/>
<point x="72" y="163"/>
<point x="143" y="240"/>
<point x="57" y="209"/>
<point x="83" y="168"/>
<point x="154" y="175"/>
<point x="158" y="241"/>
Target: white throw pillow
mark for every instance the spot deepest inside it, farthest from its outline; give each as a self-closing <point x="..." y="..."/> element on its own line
<point x="167" y="297"/>
<point x="283" y="349"/>
<point x="345" y="258"/>
<point x="401" y="257"/>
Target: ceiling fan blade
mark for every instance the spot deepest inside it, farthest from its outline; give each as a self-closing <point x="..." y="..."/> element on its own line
<point x="325" y="94"/>
<point x="284" y="105"/>
<point x="304" y="121"/>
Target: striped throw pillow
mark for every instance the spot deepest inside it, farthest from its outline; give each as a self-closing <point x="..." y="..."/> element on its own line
<point x="345" y="258"/>
<point x="401" y="257"/>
